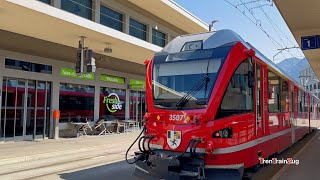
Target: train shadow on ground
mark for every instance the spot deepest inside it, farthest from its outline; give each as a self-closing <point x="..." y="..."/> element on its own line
<point x="114" y="171"/>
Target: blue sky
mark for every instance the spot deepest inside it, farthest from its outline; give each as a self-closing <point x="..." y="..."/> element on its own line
<point x="230" y="18"/>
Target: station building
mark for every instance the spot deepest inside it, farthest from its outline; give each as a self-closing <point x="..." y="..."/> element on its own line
<point x="39" y="39"/>
<point x="310" y="81"/>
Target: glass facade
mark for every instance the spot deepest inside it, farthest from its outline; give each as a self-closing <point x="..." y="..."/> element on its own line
<point x="111" y="18"/>
<point x="25" y="111"/>
<point x="46" y="1"/>
<point x="158" y="38"/>
<point x="76" y="100"/>
<point x="138" y="105"/>
<point x="81" y="8"/>
<point x="138" y="29"/>
<point x="27" y="66"/>
<point x="112" y="102"/>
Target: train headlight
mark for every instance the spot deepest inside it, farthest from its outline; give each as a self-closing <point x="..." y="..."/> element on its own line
<point x="223" y="133"/>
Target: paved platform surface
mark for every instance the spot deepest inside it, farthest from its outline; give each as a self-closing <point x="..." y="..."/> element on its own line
<point x="14" y="152"/>
<point x="308" y="167"/>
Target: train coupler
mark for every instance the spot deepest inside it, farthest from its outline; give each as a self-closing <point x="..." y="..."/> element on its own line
<point x="168" y="165"/>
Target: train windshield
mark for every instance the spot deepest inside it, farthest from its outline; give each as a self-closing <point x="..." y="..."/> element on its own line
<point x="186" y="79"/>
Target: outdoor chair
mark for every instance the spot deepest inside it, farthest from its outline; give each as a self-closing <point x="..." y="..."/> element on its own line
<point x="83" y="128"/>
<point x="118" y="122"/>
<point x="99" y="126"/>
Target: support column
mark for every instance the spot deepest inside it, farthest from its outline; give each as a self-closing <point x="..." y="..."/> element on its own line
<point x="149" y="33"/>
<point x="56" y="3"/>
<point x="126" y="24"/>
<point x="1" y="86"/>
<point x="54" y="125"/>
<point x="2" y="67"/>
<point x="127" y="113"/>
<point x="97" y="11"/>
<point x="96" y="102"/>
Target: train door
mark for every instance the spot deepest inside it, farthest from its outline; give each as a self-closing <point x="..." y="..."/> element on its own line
<point x="291" y="110"/>
<point x="258" y="94"/>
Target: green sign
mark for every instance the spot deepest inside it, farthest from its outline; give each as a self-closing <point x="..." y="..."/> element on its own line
<point x="69" y="72"/>
<point x="137" y="84"/>
<point x="113" y="79"/>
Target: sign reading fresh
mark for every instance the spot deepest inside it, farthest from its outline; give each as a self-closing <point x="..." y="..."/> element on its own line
<point x="112" y="79"/>
<point x="112" y="102"/>
<point x="69" y="72"/>
<point x="137" y="84"/>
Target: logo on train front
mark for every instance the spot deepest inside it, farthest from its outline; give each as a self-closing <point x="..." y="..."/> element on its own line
<point x="174" y="139"/>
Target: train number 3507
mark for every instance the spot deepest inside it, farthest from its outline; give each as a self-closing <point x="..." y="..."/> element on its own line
<point x="176" y="117"/>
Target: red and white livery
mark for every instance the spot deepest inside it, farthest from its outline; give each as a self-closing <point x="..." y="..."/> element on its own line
<point x="215" y="102"/>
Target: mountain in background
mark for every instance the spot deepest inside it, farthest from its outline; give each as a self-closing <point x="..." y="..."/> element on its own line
<point x="293" y="66"/>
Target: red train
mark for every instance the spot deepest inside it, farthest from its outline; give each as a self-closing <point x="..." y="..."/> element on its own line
<point x="215" y="102"/>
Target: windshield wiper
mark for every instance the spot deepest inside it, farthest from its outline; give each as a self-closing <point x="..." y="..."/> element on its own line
<point x="197" y="87"/>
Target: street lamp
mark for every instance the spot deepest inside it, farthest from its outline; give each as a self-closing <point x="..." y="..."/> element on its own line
<point x="211" y="25"/>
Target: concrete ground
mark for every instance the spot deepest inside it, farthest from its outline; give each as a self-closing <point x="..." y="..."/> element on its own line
<point x="308" y="166"/>
<point x="103" y="158"/>
<point x="37" y="159"/>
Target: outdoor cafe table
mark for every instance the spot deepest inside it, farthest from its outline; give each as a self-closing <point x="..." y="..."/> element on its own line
<point x="78" y="126"/>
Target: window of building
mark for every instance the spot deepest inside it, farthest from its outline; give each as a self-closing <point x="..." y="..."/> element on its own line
<point x="310" y="87"/>
<point x="307" y="87"/>
<point x="27" y="66"/>
<point x="45" y="1"/>
<point x="158" y="38"/>
<point x="314" y="86"/>
<point x="138" y="29"/>
<point x="274" y="92"/>
<point x="112" y="103"/>
<point x="284" y="102"/>
<point x="76" y="101"/>
<point x="111" y="18"/>
<point x="81" y="8"/>
<point x="238" y="98"/>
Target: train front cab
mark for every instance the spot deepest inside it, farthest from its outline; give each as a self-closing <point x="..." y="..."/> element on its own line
<point x="254" y="111"/>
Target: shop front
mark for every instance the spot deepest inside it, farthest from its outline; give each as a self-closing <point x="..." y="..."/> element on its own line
<point x="25" y="103"/>
<point x="32" y="88"/>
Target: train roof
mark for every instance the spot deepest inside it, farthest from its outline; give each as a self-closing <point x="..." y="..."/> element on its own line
<point x="214" y="39"/>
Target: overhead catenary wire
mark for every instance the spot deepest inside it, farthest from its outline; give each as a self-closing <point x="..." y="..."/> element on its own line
<point x="294" y="45"/>
<point x="256" y="22"/>
<point x="275" y="27"/>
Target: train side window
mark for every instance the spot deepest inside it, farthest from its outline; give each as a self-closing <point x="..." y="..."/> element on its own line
<point x="305" y="102"/>
<point x="273" y="92"/>
<point x="238" y="97"/>
<point x="312" y="104"/>
<point x="284" y="96"/>
<point x="299" y="101"/>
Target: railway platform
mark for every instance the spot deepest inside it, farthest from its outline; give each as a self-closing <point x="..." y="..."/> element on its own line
<point x="308" y="166"/>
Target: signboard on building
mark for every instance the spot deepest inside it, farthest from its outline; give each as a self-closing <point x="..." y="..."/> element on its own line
<point x="112" y="79"/>
<point x="310" y="42"/>
<point x="69" y="72"/>
<point x="137" y="84"/>
<point x="112" y="102"/>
